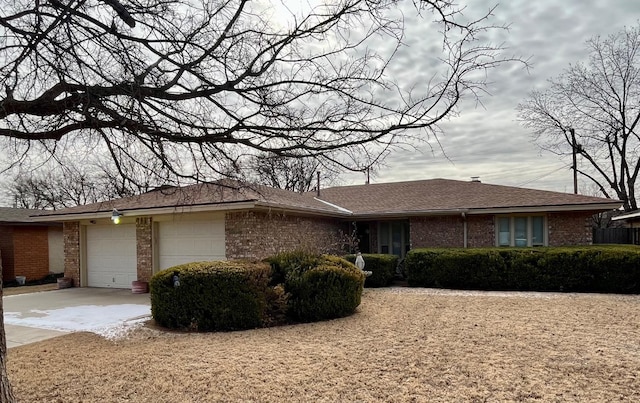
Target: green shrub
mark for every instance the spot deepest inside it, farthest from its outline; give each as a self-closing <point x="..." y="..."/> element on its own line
<point x="226" y="295"/>
<point x="285" y="262"/>
<point x="318" y="287"/>
<point x="456" y="268"/>
<point x="419" y="267"/>
<point x="382" y="268"/>
<point x="582" y="269"/>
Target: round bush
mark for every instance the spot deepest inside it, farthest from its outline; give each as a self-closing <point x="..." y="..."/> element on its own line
<point x="319" y="287"/>
<point x="211" y="296"/>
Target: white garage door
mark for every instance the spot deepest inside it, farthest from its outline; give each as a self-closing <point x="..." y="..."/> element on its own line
<point x="184" y="241"/>
<point x="111" y="255"/>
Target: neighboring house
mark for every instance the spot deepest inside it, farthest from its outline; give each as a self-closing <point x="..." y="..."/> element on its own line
<point x="625" y="229"/>
<point x="29" y="247"/>
<point x="629" y="220"/>
<point x="169" y="226"/>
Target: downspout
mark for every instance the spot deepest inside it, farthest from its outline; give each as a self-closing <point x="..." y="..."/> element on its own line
<point x="464" y="229"/>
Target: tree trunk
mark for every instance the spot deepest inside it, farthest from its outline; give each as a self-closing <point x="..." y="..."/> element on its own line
<point x="6" y="394"/>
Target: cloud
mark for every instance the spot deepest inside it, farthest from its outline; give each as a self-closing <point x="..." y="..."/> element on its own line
<point x="487" y="140"/>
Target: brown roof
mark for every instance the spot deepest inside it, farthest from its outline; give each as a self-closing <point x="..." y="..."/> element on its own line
<point x="443" y="195"/>
<point x="207" y="194"/>
<point x="18" y="215"/>
<point x="435" y="196"/>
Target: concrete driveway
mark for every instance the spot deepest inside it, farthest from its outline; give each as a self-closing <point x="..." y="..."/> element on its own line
<point x="42" y="315"/>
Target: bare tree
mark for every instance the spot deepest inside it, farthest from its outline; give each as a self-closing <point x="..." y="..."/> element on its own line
<point x="68" y="184"/>
<point x="199" y="84"/>
<point x="294" y="174"/>
<point x="599" y="101"/>
<point x="6" y="393"/>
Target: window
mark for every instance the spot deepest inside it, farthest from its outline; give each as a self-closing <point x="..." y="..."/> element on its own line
<point x="521" y="231"/>
<point x="537" y="231"/>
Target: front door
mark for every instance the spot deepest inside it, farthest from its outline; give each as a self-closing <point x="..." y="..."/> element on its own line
<point x="393" y="237"/>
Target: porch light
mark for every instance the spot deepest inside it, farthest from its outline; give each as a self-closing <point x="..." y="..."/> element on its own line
<point x="115" y="216"/>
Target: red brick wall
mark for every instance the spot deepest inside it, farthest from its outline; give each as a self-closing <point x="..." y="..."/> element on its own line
<point x="570" y="228"/>
<point x="437" y="231"/>
<point x="447" y="231"/>
<point x="6" y="247"/>
<point x="31" y="252"/>
<point x="144" y="248"/>
<point x="71" y="234"/>
<point x="480" y="231"/>
<point x="256" y="235"/>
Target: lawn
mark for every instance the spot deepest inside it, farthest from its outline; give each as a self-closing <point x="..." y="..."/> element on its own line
<point x="402" y="345"/>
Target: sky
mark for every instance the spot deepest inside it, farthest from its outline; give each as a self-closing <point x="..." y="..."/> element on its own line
<point x="487" y="140"/>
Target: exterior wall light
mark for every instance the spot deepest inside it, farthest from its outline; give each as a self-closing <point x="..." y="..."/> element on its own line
<point x="115" y="216"/>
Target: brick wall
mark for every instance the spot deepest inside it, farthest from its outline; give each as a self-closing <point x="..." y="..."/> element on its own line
<point x="480" y="231"/>
<point x="570" y="228"/>
<point x="6" y="247"/>
<point x="144" y="248"/>
<point x="564" y="229"/>
<point x="437" y="231"/>
<point x="71" y="234"/>
<point x="256" y="235"/>
<point x="31" y="252"/>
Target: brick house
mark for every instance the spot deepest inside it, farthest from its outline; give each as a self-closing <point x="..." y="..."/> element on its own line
<point x="169" y="226"/>
<point x="29" y="247"/>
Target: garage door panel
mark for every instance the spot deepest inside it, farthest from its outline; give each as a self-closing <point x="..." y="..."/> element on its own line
<point x="111" y="255"/>
<point x="185" y="241"/>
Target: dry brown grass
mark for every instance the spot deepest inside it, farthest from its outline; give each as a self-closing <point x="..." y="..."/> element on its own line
<point x="400" y="346"/>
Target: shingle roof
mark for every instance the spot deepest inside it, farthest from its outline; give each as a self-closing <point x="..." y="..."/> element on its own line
<point x="434" y="196"/>
<point x="441" y="195"/>
<point x="209" y="194"/>
<point x="17" y="215"/>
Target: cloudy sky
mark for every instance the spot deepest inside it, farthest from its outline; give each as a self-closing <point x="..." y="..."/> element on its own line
<point x="487" y="141"/>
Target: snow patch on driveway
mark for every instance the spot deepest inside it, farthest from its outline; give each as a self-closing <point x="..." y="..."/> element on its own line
<point x="110" y="321"/>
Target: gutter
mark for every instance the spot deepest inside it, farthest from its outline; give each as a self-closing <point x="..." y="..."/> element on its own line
<point x="464" y="230"/>
<point x="547" y="209"/>
<point x="140" y="212"/>
<point x="146" y="211"/>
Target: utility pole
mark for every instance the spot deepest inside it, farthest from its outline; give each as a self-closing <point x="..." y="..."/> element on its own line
<point x="575" y="160"/>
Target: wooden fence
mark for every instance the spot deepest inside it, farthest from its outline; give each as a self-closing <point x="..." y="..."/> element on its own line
<point x="617" y="235"/>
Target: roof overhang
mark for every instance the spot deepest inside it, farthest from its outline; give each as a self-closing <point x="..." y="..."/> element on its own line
<point x="629" y="216"/>
<point x="492" y="210"/>
<point x="233" y="206"/>
<point x="147" y="211"/>
<point x="547" y="209"/>
<point x="333" y="211"/>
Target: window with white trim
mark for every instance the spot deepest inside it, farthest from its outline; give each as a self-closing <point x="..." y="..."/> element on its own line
<point x="521" y="231"/>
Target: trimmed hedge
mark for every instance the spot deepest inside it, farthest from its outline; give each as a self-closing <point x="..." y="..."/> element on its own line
<point x="608" y="269"/>
<point x="382" y="267"/>
<point x="227" y="295"/>
<point x="320" y="287"/>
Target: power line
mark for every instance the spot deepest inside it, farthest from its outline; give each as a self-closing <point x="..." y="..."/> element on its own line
<point x="544" y="176"/>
